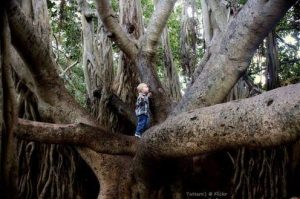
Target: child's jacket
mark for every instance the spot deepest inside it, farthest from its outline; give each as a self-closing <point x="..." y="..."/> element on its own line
<point x="142" y="105"/>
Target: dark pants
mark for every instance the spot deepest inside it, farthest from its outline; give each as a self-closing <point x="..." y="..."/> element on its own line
<point x="142" y="125"/>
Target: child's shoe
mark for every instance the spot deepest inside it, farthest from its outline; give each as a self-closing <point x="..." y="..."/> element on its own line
<point x="137" y="135"/>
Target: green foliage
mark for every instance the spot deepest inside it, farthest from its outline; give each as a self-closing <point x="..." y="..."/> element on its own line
<point x="67" y="47"/>
<point x="288" y="42"/>
<point x="242" y="2"/>
<point x="174" y="32"/>
<point x="289" y="52"/>
<point x="148" y="9"/>
<point x="115" y="5"/>
<point x="67" y="28"/>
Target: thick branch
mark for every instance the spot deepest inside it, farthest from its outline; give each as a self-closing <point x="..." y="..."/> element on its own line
<point x="269" y="119"/>
<point x="110" y="21"/>
<point x="235" y="50"/>
<point x="157" y="24"/>
<point x="21" y="69"/>
<point x="79" y="134"/>
<point x="24" y="37"/>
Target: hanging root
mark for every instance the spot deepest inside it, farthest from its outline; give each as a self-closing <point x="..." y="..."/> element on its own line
<point x="257" y="173"/>
<point x="260" y="173"/>
<point x="45" y="171"/>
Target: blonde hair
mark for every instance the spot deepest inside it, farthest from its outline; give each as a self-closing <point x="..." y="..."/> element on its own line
<point x="140" y="86"/>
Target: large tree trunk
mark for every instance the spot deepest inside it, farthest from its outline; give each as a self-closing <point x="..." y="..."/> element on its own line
<point x="190" y="133"/>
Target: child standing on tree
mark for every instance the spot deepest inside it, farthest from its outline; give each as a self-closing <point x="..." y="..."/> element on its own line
<point x="142" y="109"/>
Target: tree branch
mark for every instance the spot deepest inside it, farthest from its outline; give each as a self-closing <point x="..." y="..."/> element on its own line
<point x="235" y="49"/>
<point x="54" y="100"/>
<point x="68" y="68"/>
<point x="24" y="37"/>
<point x="55" y="103"/>
<point x="79" y="134"/>
<point x="266" y="120"/>
<point x="118" y="35"/>
<point x="157" y="24"/>
<point x="291" y="61"/>
<point x="21" y="69"/>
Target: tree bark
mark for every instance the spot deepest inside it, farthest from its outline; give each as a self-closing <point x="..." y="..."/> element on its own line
<point x="189" y="133"/>
<point x="9" y="165"/>
<point x="272" y="78"/>
<point x="226" y="126"/>
<point x="207" y="29"/>
<point x="156" y="26"/>
<point x="214" y="20"/>
<point x="188" y="37"/>
<point x="108" y="17"/>
<point x="1" y="97"/>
